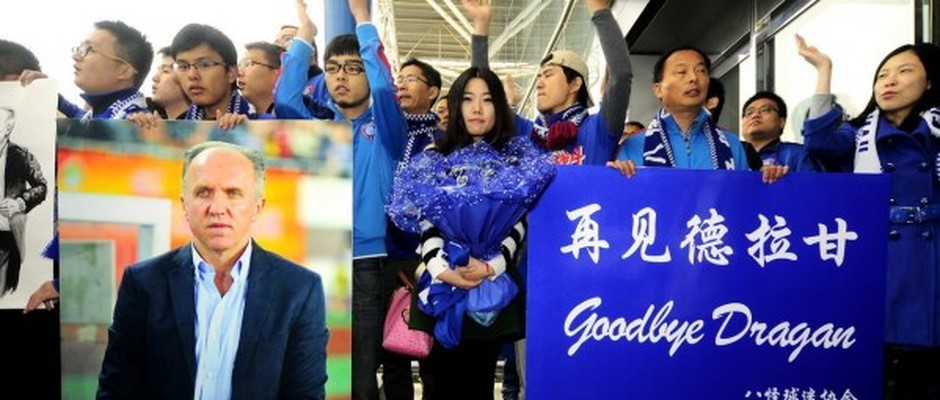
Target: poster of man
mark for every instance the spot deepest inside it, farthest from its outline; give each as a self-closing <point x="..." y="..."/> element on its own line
<point x="120" y="204"/>
<point x="27" y="144"/>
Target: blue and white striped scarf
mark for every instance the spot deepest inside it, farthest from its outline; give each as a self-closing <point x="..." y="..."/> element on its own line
<point x="866" y="152"/>
<point x="236" y="105"/>
<point x="657" y="151"/>
<point x="130" y="104"/>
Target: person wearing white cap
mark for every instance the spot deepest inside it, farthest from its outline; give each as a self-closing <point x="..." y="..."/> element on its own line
<point x="564" y="126"/>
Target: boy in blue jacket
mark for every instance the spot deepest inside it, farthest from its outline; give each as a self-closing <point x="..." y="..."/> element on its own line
<point x="362" y="91"/>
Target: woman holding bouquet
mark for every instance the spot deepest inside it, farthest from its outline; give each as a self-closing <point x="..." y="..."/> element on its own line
<point x="467" y="196"/>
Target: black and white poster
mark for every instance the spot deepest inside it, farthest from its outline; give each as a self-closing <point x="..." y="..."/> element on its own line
<point x="27" y="160"/>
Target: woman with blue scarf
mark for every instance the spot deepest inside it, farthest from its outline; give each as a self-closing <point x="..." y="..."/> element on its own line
<point x="898" y="134"/>
<point x="467" y="194"/>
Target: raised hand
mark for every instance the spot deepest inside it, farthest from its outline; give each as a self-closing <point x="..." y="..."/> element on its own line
<point x="811" y="54"/>
<point x="360" y="10"/>
<point x="306" y="29"/>
<point x="820" y="61"/>
<point x="481" y="11"/>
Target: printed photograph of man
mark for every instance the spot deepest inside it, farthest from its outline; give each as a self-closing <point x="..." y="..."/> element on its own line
<point x="220" y="317"/>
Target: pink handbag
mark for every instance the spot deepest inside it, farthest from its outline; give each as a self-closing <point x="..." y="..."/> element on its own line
<point x="397" y="336"/>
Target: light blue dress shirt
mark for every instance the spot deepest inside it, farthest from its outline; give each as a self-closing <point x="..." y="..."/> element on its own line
<point x="218" y="326"/>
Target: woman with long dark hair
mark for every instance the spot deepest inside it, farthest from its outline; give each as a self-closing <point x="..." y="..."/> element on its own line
<point x="898" y="134"/>
<point x="467" y="194"/>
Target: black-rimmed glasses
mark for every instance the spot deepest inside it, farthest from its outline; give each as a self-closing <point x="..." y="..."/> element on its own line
<point x="349" y="68"/>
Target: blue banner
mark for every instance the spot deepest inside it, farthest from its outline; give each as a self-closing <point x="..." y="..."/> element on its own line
<point x="683" y="284"/>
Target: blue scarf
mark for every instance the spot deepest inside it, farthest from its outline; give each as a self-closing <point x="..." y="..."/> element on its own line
<point x="657" y="150"/>
<point x="422" y="131"/>
<point x="236" y="105"/>
<point x="120" y="104"/>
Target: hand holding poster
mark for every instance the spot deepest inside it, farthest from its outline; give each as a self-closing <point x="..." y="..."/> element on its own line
<point x="695" y="284"/>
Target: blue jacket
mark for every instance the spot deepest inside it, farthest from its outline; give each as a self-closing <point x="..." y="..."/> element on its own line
<point x="297" y="96"/>
<point x="790" y="154"/>
<point x="378" y="134"/>
<point x="699" y="157"/>
<point x="152" y="339"/>
<point x="316" y="97"/>
<point x="913" y="270"/>
<point x="378" y="143"/>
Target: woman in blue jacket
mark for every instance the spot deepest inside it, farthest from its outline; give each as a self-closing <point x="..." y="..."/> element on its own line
<point x="898" y="134"/>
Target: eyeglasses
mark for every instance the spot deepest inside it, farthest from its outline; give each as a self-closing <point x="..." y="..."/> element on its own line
<point x="349" y="68"/>
<point x="84" y="49"/>
<point x="201" y="65"/>
<point x="252" y="63"/>
<point x="763" y="110"/>
<point x="410" y="79"/>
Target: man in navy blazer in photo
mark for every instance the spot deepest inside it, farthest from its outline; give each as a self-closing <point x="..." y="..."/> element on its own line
<point x="220" y="318"/>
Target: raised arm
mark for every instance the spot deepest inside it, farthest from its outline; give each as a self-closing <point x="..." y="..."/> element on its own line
<point x="822" y="99"/>
<point x="481" y="13"/>
<point x="825" y="135"/>
<point x="389" y="120"/>
<point x="289" y="91"/>
<point x="617" y="97"/>
<point x="306" y="29"/>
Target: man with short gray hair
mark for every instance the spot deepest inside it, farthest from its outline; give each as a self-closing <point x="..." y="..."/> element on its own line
<point x="220" y="318"/>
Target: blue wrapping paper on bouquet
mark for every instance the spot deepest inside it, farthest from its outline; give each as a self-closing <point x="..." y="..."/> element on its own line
<point x="473" y="196"/>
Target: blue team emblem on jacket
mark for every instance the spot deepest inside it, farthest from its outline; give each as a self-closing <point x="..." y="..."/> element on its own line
<point x="367" y="131"/>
